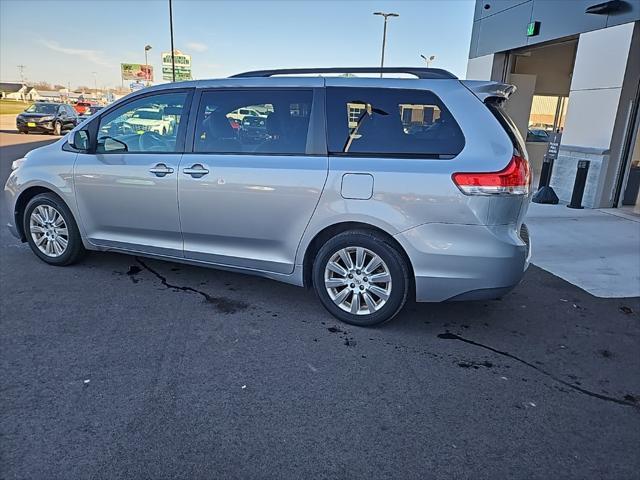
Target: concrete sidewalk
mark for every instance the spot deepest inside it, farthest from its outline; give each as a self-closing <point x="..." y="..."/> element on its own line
<point x="596" y="250"/>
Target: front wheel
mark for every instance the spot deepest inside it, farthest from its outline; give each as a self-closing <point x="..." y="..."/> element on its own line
<point x="360" y="278"/>
<point x="57" y="128"/>
<point x="51" y="231"/>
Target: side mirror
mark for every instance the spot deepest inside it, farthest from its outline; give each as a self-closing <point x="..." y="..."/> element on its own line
<point x="81" y="140"/>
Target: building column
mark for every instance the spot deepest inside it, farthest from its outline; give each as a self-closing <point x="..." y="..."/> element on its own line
<point x="594" y="107"/>
<point x="487" y="67"/>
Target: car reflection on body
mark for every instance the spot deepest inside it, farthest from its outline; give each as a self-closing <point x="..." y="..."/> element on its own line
<point x="150" y="120"/>
<point x="253" y="128"/>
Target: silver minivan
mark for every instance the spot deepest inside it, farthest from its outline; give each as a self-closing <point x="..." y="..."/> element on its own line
<point x="366" y="189"/>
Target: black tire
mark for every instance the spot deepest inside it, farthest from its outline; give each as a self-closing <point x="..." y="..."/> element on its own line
<point x="396" y="265"/>
<point x="57" y="128"/>
<point x="74" y="249"/>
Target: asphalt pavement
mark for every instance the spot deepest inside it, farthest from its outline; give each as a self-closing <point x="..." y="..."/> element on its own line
<point x="124" y="367"/>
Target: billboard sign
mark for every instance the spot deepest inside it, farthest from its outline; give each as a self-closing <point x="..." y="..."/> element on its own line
<point x="182" y="63"/>
<point x="136" y="71"/>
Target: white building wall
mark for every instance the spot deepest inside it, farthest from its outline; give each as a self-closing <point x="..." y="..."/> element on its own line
<point x="596" y="86"/>
<point x="480" y="68"/>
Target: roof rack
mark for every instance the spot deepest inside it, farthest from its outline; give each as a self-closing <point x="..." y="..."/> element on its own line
<point x="422" y="73"/>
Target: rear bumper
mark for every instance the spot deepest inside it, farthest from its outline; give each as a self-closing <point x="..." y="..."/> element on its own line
<point x="465" y="262"/>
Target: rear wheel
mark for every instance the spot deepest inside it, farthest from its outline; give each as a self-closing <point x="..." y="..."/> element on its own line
<point x="360" y="278"/>
<point x="51" y="231"/>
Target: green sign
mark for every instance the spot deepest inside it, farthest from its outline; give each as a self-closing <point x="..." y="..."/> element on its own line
<point x="533" y="29"/>
<point x="182" y="66"/>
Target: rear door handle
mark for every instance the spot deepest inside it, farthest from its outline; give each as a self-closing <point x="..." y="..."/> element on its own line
<point x="196" y="171"/>
<point x="160" y="170"/>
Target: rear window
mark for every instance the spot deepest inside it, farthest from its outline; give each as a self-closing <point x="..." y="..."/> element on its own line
<point x="390" y="122"/>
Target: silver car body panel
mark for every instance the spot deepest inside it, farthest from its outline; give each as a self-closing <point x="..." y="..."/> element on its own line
<point x="123" y="205"/>
<point x="259" y="214"/>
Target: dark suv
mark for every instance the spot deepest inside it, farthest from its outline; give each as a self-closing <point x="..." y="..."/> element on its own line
<point x="44" y="117"/>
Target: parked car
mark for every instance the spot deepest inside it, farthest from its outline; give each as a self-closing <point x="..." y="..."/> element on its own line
<point x="240" y="113"/>
<point x="43" y="117"/>
<point x="81" y="106"/>
<point x="89" y="111"/>
<point x="338" y="196"/>
<point x="253" y="129"/>
<point x="150" y="119"/>
<point x="537" y="135"/>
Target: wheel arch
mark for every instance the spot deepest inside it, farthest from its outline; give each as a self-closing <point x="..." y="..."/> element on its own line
<point x="332" y="230"/>
<point x="23" y="200"/>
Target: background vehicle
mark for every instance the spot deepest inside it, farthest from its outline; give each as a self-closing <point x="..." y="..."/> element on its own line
<point x="253" y="129"/>
<point x="365" y="189"/>
<point x="81" y="106"/>
<point x="537" y="135"/>
<point x="89" y="111"/>
<point x="240" y="113"/>
<point x="150" y="119"/>
<point x="44" y="117"/>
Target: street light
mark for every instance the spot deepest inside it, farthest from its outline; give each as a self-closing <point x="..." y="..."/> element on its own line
<point x="173" y="56"/>
<point x="384" y="34"/>
<point x="428" y="59"/>
<point x="146" y="62"/>
<point x="95" y="84"/>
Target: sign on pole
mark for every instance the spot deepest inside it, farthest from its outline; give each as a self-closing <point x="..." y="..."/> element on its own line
<point x="183" y="66"/>
<point x="136" y="71"/>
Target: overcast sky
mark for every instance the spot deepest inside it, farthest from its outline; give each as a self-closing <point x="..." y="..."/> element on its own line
<point x="65" y="41"/>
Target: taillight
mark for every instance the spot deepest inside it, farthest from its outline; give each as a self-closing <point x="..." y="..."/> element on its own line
<point x="514" y="179"/>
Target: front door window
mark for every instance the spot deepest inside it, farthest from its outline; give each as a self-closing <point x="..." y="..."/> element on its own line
<point x="149" y="124"/>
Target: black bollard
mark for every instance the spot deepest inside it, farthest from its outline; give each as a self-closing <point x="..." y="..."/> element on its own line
<point x="578" y="186"/>
<point x="545" y="173"/>
<point x="545" y="193"/>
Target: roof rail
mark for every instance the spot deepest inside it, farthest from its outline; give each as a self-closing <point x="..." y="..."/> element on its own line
<point x="423" y="73"/>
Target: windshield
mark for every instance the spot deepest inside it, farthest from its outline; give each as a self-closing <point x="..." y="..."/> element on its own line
<point x="47" y="108"/>
<point x="148" y="115"/>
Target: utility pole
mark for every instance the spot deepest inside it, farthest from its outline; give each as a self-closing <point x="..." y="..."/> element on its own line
<point x="21" y="72"/>
<point x="173" y="58"/>
<point x="384" y="34"/>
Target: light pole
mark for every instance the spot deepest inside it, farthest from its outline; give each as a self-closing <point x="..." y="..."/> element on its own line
<point x="428" y="59"/>
<point x="384" y="34"/>
<point x="146" y="63"/>
<point x="95" y="85"/>
<point x="173" y="57"/>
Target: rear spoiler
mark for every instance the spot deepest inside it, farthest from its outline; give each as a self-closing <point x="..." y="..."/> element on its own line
<point x="485" y="90"/>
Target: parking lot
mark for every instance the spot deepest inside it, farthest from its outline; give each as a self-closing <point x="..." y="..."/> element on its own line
<point x="123" y="367"/>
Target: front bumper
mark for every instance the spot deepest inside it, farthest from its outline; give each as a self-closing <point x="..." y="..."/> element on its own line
<point x="465" y="262"/>
<point x="40" y="127"/>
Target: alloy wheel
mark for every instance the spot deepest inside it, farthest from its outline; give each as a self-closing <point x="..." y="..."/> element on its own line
<point x="49" y="231"/>
<point x="357" y="280"/>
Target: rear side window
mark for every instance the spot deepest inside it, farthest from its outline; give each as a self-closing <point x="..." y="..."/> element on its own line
<point x="496" y="107"/>
<point x="390" y="122"/>
<point x="272" y="122"/>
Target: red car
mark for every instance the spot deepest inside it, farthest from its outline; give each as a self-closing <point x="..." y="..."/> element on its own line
<point x="81" y="107"/>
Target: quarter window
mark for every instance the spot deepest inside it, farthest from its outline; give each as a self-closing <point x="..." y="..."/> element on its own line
<point x="369" y="121"/>
<point x="149" y="124"/>
<point x="253" y="121"/>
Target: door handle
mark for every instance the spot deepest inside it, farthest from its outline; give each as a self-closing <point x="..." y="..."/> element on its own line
<point x="160" y="170"/>
<point x="196" y="171"/>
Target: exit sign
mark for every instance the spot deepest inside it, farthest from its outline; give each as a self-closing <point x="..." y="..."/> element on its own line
<point x="533" y="29"/>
